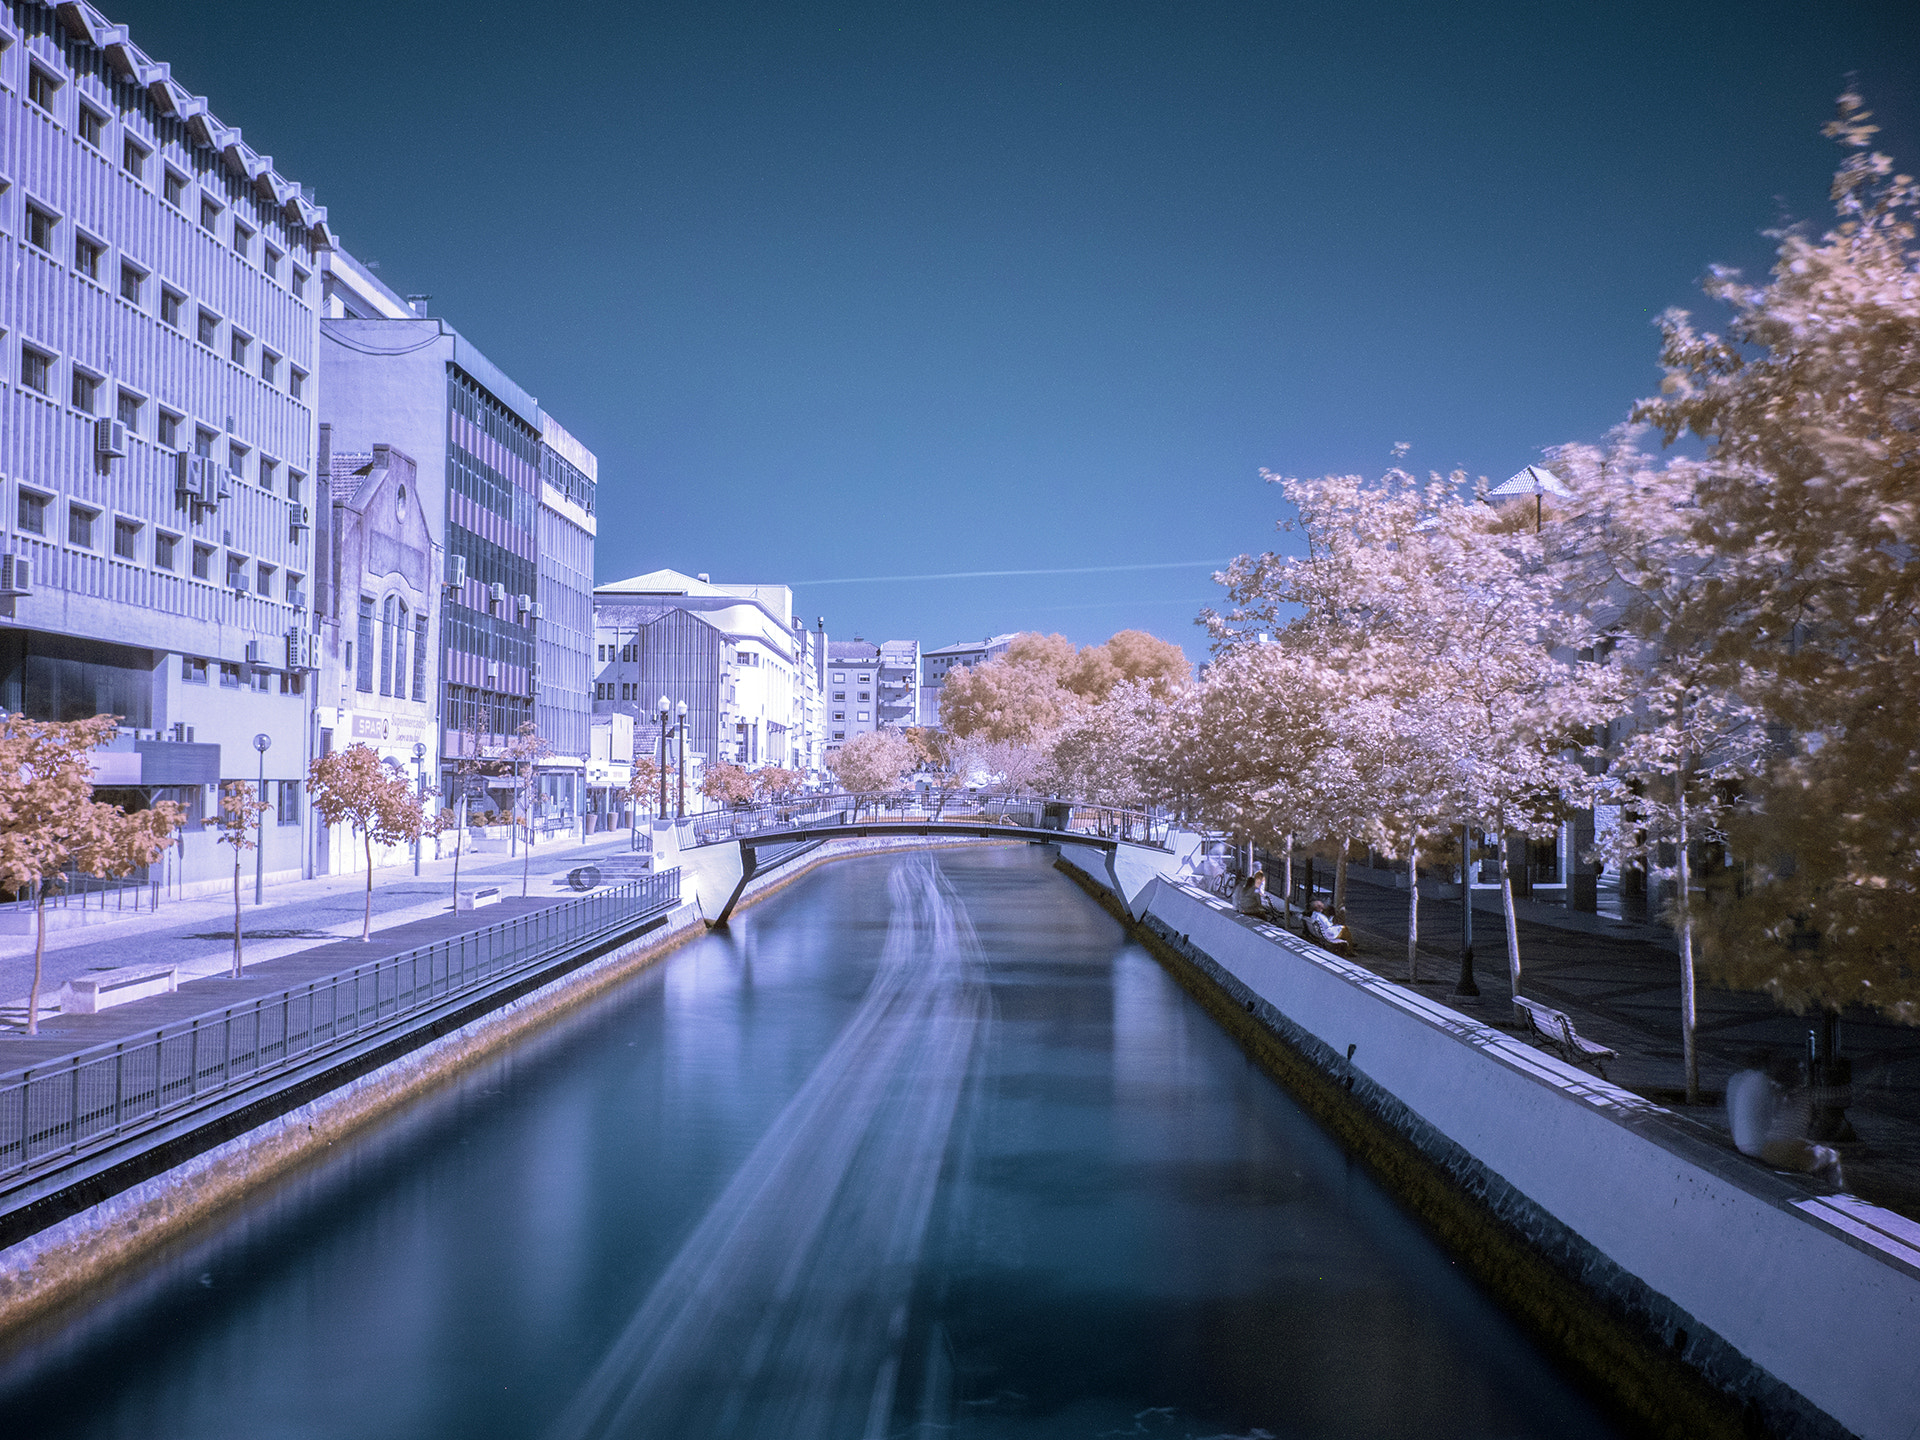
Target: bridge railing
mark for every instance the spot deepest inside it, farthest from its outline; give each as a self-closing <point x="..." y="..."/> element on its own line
<point x="1031" y="812"/>
<point x="86" y="1100"/>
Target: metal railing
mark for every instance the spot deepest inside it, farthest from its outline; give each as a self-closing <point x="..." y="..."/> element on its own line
<point x="1026" y="811"/>
<point x="77" y="890"/>
<point x="83" y="1101"/>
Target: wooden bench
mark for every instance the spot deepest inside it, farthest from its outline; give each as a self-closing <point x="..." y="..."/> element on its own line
<point x="90" y="994"/>
<point x="1556" y="1028"/>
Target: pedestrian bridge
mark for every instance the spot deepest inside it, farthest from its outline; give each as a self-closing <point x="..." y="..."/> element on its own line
<point x="769" y="835"/>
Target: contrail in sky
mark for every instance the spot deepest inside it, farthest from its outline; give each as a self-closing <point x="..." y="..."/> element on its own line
<point x="997" y="574"/>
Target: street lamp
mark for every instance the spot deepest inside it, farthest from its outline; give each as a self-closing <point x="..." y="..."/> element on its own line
<point x="665" y="706"/>
<point x="680" y="747"/>
<point x="260" y="743"/>
<point x="420" y="788"/>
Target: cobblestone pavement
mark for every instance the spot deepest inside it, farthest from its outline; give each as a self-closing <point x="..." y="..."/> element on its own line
<point x="197" y="935"/>
<point x="1625" y="993"/>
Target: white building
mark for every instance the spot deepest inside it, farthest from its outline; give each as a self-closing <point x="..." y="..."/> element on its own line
<point x="936" y="665"/>
<point x="159" y="325"/>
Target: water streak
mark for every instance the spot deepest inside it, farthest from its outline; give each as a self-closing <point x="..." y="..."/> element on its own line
<point x="784" y="1312"/>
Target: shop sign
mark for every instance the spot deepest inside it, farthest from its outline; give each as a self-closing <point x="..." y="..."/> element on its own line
<point x="369" y="727"/>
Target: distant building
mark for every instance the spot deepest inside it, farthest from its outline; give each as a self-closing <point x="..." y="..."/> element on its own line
<point x="563" y="622"/>
<point x="376" y="593"/>
<point x="158" y="327"/>
<point x="853" y="679"/>
<point x="936" y="665"/>
<point x="897" y="687"/>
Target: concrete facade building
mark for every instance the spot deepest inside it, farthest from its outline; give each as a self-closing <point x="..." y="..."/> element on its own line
<point x="853" y="676"/>
<point x="159" y="324"/>
<point x="563" y="623"/>
<point x="936" y="665"/>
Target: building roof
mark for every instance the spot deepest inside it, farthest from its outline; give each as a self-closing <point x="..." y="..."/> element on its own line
<point x="854" y="650"/>
<point x="90" y="27"/>
<point x="1534" y="480"/>
<point x="974" y="647"/>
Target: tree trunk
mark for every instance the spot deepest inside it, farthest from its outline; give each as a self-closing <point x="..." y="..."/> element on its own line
<point x="1340" y="881"/>
<point x="1413" y="911"/>
<point x="236" y="912"/>
<point x="459" y="844"/>
<point x="1683" y="926"/>
<point x="39" y="951"/>
<point x="1506" y="906"/>
<point x="1286" y="885"/>
<point x="366" y="920"/>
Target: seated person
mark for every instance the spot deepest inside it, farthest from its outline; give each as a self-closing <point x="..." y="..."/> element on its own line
<point x="1321" y="926"/>
<point x="1250" y="895"/>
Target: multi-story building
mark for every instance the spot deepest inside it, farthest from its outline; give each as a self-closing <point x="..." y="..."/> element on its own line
<point x="853" y="675"/>
<point x="728" y="652"/>
<point x="493" y="486"/>
<point x="936" y="665"/>
<point x="809" y="751"/>
<point x="159" y="324"/>
<point x="897" y="695"/>
<point x="563" y="612"/>
<point x="376" y="591"/>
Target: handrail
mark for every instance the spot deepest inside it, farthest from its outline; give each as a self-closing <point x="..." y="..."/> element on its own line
<point x="1033" y="812"/>
<point x="63" y="1108"/>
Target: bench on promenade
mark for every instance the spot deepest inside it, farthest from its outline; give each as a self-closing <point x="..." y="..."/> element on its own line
<point x="1556" y="1028"/>
<point x="612" y="870"/>
<point x="90" y="994"/>
<point x="474" y="899"/>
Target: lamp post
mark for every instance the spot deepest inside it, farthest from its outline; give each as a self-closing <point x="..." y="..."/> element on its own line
<point x="665" y="706"/>
<point x="260" y="743"/>
<point x="680" y="747"/>
<point x="420" y="789"/>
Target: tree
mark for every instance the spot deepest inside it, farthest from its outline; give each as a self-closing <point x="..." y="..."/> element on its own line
<point x="355" y="787"/>
<point x="240" y="811"/>
<point x="1129" y="656"/>
<point x="776" y="783"/>
<point x="727" y="784"/>
<point x="872" y="764"/>
<point x="1005" y="700"/>
<point x="643" y="789"/>
<point x="51" y="825"/>
<point x="523" y="752"/>
<point x="1810" y="410"/>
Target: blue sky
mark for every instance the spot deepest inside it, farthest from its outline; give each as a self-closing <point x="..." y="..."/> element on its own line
<point x="849" y="290"/>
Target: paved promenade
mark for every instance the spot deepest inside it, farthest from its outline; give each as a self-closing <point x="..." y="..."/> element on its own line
<point x="1621" y="985"/>
<point x="197" y="935"/>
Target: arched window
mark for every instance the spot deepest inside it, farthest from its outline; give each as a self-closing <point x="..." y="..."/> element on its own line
<point x="386" y="644"/>
<point x="402" y="628"/>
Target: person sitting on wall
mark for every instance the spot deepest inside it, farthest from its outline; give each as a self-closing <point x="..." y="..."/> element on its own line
<point x="1320" y="925"/>
<point x="1250" y="895"/>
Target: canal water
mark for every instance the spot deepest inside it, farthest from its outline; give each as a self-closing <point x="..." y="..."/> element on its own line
<point x="923" y="1147"/>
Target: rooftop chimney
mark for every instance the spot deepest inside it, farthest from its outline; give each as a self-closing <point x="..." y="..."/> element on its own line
<point x="418" y="304"/>
<point x="704" y="578"/>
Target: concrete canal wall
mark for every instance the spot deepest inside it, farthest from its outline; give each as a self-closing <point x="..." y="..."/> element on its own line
<point x="1658" y="1261"/>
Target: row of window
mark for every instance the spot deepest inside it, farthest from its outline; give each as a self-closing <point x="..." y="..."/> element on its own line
<point x="232" y="675"/>
<point x="628" y="654"/>
<point x="87" y="529"/>
<point x="138" y="288"/>
<point x="841" y="715"/>
<point x="396" y="626"/>
<point x="93" y="126"/>
<point x="87" y="394"/>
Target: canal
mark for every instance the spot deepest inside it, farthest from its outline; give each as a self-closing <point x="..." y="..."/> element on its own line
<point x="924" y="1146"/>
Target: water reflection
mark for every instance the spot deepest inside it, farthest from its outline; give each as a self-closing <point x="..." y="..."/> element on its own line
<point x="921" y="1148"/>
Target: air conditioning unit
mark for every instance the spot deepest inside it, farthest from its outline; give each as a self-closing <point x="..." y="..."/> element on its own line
<point x="492" y="680"/>
<point x="300" y="649"/>
<point x="188" y="476"/>
<point x="538" y="611"/>
<point x="297" y="598"/>
<point x="498" y="593"/>
<point x="524" y="603"/>
<point x="253" y="654"/>
<point x="211" y="486"/>
<point x="109" y="438"/>
<point x="16" y="575"/>
<point x="223" y="480"/>
<point x="300" y="517"/>
<point x="241" y="584"/>
<point x="456" y="571"/>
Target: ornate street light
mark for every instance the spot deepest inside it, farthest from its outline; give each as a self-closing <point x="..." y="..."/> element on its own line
<point x="680" y="746"/>
<point x="260" y="742"/>
<point x="665" y="706"/>
<point x="420" y="787"/>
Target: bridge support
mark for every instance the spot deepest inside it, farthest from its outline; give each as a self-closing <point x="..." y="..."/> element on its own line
<point x="749" y="867"/>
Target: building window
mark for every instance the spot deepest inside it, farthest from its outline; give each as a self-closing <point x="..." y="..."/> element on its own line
<point x="128" y="410"/>
<point x="36" y="370"/>
<point x="203" y="442"/>
<point x="294" y="482"/>
<point x="299" y="282"/>
<point x="171" y="302"/>
<point x="229" y="675"/>
<point x="237" y="347"/>
<point x="209" y="215"/>
<point x="175" y="189"/>
<point x="287" y="810"/>
<point x="93" y="125"/>
<point x="242" y="238"/>
<point x="269" y="365"/>
<point x="85" y="387"/>
<point x="193" y="669"/>
<point x="126" y="539"/>
<point x="296" y="381"/>
<point x="236" y="459"/>
<point x="132" y="282"/>
<point x="270" y="261"/>
<point x="41" y="225"/>
<point x="839" y="677"/>
<point x="839" y="734"/>
<point x="236" y="572"/>
<point x="295" y="683"/>
<point x="839" y="714"/>
<point x="363" y="674"/>
<point x="167" y="429"/>
<point x="420" y="658"/>
<point x="839" y="694"/>
<point x="80" y="525"/>
<point x="203" y="562"/>
<point x="866" y="695"/>
<point x="163" y="548"/>
<point x="133" y="158"/>
<point x="265" y="473"/>
<point x="41" y="88"/>
<point x="209" y="329"/>
<point x="32" y="515"/>
<point x="86" y="256"/>
<point x="296" y="597"/>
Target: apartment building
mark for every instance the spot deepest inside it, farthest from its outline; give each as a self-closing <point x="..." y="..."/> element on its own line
<point x="853" y="680"/>
<point x="159" y="327"/>
<point x="563" y="628"/>
<point x="936" y="665"/>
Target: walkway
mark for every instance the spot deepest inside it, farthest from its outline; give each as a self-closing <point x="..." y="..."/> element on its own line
<point x="1625" y="993"/>
<point x="197" y="935"/>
